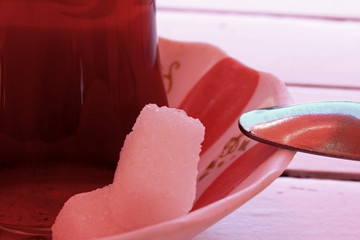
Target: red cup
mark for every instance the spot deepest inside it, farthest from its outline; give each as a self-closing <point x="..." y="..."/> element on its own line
<point x="74" y="76"/>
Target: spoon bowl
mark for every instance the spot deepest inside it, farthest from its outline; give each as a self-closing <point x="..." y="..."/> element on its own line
<point x="328" y="128"/>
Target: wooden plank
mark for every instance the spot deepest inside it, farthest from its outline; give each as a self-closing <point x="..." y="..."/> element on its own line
<point x="346" y="9"/>
<point x="312" y="166"/>
<point x="298" y="51"/>
<point x="295" y="209"/>
<point x="302" y="94"/>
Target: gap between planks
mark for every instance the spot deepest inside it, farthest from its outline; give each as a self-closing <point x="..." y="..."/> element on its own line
<point x="258" y="13"/>
<point x="345" y="176"/>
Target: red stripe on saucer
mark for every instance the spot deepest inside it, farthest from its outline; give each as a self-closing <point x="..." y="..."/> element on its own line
<point x="235" y="174"/>
<point x="220" y="96"/>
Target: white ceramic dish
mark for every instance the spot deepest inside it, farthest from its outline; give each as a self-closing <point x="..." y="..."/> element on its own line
<point x="210" y="85"/>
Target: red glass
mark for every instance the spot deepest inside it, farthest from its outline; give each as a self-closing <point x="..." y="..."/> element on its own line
<point x="74" y="75"/>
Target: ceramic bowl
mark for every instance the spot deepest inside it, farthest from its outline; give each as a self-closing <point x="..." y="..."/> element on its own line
<point x="217" y="89"/>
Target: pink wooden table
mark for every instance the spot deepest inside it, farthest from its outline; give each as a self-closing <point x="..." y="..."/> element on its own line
<point x="314" y="47"/>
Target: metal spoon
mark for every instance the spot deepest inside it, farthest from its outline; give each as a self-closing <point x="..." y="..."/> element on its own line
<point x="329" y="128"/>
